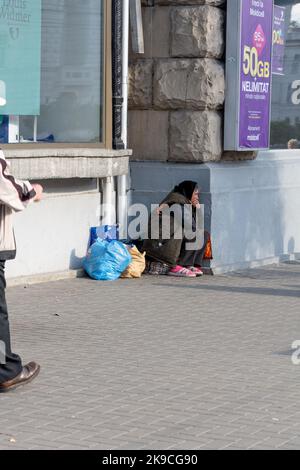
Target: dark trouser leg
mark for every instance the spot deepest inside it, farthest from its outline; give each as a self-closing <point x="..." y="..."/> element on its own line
<point x="187" y="257"/>
<point x="13" y="364"/>
<point x="192" y="257"/>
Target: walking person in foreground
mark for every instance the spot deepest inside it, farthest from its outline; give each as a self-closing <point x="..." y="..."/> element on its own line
<point x="14" y="197"/>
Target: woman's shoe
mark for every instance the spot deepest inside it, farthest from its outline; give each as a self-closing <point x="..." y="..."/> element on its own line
<point x="196" y="271"/>
<point x="180" y="271"/>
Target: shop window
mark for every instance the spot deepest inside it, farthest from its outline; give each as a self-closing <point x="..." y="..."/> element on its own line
<point x="285" y="125"/>
<point x="53" y="71"/>
<point x="296" y="64"/>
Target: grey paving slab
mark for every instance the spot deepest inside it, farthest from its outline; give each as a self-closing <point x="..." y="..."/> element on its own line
<point x="158" y="363"/>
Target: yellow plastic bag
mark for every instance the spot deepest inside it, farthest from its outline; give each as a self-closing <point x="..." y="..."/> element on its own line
<point x="137" y="265"/>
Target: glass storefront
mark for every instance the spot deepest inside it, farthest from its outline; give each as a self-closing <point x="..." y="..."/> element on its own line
<point x="51" y="71"/>
<point x="285" y="125"/>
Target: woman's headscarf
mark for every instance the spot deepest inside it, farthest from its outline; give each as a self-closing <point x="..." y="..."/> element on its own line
<point x="186" y="188"/>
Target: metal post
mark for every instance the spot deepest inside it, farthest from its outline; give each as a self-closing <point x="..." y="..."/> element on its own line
<point x="117" y="36"/>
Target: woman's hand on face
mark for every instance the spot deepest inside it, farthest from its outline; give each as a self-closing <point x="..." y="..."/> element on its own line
<point x="161" y="208"/>
<point x="195" y="201"/>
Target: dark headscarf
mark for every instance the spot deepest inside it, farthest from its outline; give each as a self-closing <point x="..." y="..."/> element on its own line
<point x="186" y="188"/>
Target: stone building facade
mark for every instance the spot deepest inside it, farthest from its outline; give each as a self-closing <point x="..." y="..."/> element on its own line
<point x="177" y="88"/>
<point x="176" y="120"/>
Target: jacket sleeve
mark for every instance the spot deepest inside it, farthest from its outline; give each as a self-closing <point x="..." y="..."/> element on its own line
<point x="14" y="193"/>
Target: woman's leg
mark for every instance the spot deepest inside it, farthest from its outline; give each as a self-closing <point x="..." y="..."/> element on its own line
<point x="187" y="257"/>
<point x="10" y="364"/>
<point x="192" y="257"/>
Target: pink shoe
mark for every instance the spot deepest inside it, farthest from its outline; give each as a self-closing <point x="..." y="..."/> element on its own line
<point x="195" y="270"/>
<point x="180" y="271"/>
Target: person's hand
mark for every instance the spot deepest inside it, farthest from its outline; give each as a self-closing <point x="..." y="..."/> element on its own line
<point x="161" y="208"/>
<point x="39" y="192"/>
<point x="195" y="201"/>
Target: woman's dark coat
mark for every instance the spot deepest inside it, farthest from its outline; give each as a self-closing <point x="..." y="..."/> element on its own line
<point x="167" y="250"/>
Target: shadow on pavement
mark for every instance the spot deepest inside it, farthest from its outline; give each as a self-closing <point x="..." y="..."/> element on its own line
<point x="241" y="290"/>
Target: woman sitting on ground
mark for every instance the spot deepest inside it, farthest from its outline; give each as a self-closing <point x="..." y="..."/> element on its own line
<point x="175" y="252"/>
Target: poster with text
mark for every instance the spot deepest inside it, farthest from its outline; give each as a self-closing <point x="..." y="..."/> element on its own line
<point x="255" y="73"/>
<point x="20" y="57"/>
<point x="278" y="40"/>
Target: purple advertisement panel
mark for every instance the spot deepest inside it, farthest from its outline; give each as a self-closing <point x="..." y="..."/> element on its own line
<point x="255" y="82"/>
<point x="278" y="40"/>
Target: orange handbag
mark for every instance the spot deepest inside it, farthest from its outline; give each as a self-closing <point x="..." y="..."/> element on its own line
<point x="208" y="249"/>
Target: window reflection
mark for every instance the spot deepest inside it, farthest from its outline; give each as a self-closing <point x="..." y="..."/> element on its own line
<point x="285" y="125"/>
<point x="51" y="87"/>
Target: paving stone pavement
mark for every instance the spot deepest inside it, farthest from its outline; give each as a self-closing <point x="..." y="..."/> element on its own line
<point x="158" y="363"/>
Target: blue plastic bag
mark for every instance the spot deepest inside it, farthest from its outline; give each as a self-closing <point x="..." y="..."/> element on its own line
<point x="105" y="232"/>
<point x="106" y="261"/>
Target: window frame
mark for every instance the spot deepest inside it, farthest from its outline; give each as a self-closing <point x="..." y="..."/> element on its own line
<point x="106" y="121"/>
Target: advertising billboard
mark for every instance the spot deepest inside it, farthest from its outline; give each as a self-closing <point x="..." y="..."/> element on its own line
<point x="248" y="74"/>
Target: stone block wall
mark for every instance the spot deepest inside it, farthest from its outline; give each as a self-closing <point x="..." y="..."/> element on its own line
<point x="177" y="87"/>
